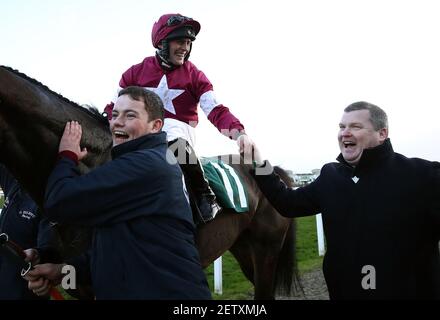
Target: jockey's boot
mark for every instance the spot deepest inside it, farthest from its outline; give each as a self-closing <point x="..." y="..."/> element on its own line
<point x="208" y="205"/>
<point x="205" y="199"/>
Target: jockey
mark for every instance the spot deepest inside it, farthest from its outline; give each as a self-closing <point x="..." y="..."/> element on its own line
<point x="182" y="87"/>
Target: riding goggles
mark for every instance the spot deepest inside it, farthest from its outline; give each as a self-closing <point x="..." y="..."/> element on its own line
<point x="176" y="20"/>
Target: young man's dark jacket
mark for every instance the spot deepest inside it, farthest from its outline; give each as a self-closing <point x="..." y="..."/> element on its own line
<point x="389" y="219"/>
<point x="143" y="245"/>
<point x="22" y="222"/>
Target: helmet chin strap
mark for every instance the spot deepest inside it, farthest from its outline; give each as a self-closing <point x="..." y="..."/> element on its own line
<point x="187" y="55"/>
<point x="163" y="55"/>
<point x="164" y="52"/>
<point x="164" y="64"/>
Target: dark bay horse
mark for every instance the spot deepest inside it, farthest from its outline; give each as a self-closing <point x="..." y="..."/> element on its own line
<point x="32" y="120"/>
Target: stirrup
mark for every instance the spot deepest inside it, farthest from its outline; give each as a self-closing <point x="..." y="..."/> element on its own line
<point x="208" y="207"/>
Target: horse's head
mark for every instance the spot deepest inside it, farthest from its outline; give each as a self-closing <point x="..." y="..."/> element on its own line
<point x="32" y="120"/>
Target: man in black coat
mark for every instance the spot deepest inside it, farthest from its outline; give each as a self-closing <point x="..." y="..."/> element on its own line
<point x="23" y="223"/>
<point x="380" y="210"/>
<point x="143" y="245"/>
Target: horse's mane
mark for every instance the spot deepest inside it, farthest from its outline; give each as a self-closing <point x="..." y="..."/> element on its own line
<point x="90" y="110"/>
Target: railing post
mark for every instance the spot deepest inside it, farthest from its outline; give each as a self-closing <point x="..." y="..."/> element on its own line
<point x="320" y="233"/>
<point x="218" y="276"/>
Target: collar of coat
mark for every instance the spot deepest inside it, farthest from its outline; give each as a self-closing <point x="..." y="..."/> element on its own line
<point x="370" y="157"/>
<point x="147" y="141"/>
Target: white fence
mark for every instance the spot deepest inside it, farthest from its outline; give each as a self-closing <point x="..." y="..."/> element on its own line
<point x="320" y="234"/>
<point x="218" y="277"/>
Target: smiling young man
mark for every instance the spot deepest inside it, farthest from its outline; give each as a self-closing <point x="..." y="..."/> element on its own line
<point x="380" y="209"/>
<point x="182" y="87"/>
<point x="143" y="245"/>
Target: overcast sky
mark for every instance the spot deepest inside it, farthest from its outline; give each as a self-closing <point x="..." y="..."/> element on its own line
<point x="286" y="69"/>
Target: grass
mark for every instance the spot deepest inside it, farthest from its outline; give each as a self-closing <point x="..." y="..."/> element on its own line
<point x="236" y="286"/>
<point x="307" y="244"/>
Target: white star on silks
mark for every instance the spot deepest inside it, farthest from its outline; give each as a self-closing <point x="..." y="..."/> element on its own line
<point x="167" y="95"/>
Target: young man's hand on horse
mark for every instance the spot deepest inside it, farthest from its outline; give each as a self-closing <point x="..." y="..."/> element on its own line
<point x="70" y="141"/>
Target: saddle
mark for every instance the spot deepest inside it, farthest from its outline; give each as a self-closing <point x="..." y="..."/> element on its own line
<point x="230" y="191"/>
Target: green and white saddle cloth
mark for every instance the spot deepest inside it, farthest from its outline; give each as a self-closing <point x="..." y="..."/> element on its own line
<point x="226" y="184"/>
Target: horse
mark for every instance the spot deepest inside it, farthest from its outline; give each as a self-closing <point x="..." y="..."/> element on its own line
<point x="32" y="120"/>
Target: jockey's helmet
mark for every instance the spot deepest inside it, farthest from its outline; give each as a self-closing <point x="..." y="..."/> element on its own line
<point x="173" y="26"/>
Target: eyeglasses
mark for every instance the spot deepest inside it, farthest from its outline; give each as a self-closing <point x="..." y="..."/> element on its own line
<point x="175" y="20"/>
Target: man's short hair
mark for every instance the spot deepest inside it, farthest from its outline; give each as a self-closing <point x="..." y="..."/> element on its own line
<point x="153" y="103"/>
<point x="378" y="117"/>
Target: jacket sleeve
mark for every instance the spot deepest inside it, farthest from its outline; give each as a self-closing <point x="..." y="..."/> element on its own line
<point x="435" y="198"/>
<point x="217" y="113"/>
<point x="225" y="122"/>
<point x="47" y="241"/>
<point x="106" y="194"/>
<point x="287" y="201"/>
<point x="127" y="78"/>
